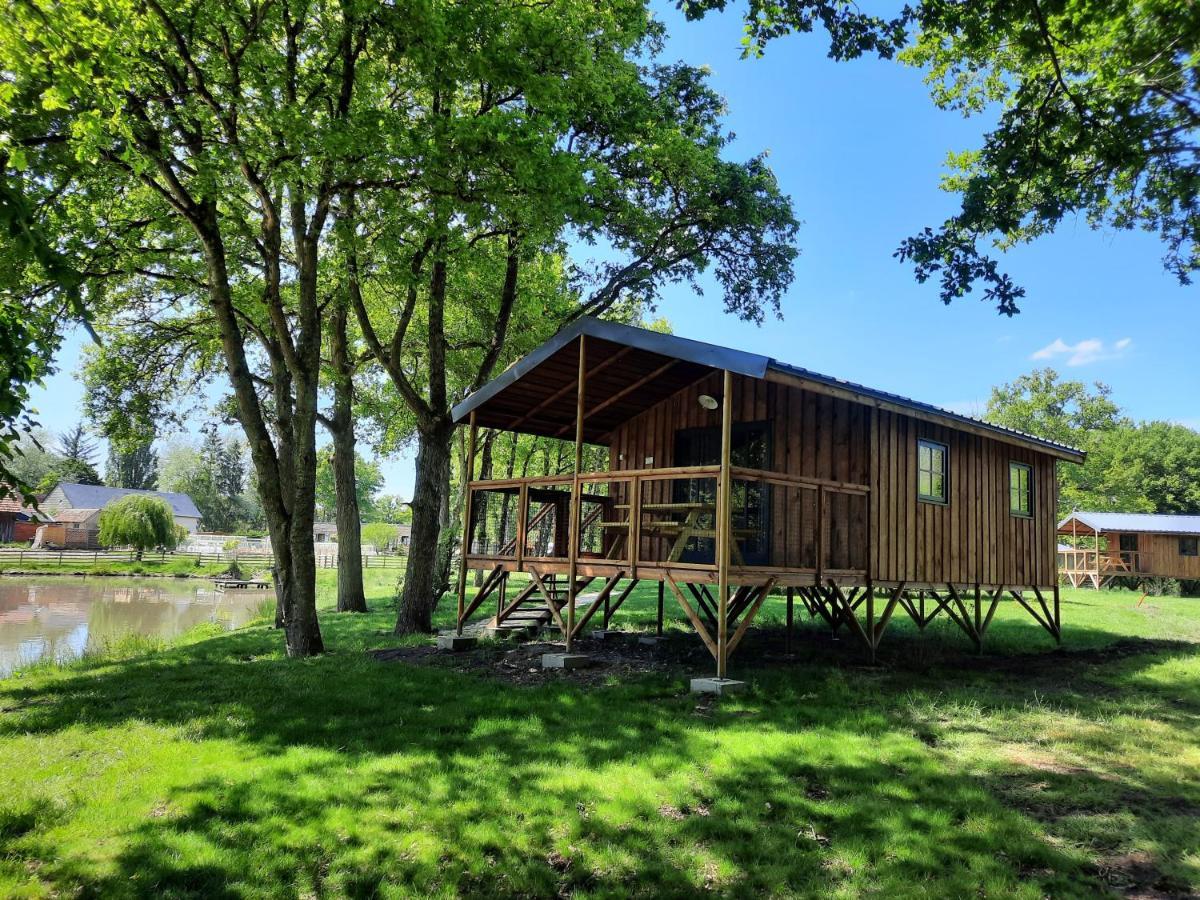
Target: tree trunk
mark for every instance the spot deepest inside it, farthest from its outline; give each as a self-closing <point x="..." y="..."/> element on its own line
<point x="350" y="595"/>
<point x="424" y="584"/>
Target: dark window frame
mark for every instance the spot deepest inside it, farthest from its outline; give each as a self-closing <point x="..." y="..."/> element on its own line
<point x="1191" y="542"/>
<point x="944" y="499"/>
<point x="1013" y="467"/>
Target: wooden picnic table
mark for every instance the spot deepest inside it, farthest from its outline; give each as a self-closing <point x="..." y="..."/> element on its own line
<point x="685" y="530"/>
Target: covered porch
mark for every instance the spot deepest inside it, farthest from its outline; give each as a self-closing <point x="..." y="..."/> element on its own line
<point x="717" y="531"/>
<point x="1091" y="556"/>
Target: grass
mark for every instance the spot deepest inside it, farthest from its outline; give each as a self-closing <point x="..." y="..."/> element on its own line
<point x="177" y="568"/>
<point x="217" y="768"/>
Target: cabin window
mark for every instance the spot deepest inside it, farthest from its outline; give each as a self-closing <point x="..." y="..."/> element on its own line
<point x="1189" y="546"/>
<point x="1020" y="489"/>
<point x="1129" y="543"/>
<point x="931" y="471"/>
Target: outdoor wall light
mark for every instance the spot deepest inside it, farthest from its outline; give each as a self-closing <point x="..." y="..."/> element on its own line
<point x="708" y="402"/>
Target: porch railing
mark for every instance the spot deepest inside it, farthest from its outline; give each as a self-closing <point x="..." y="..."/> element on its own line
<point x="1102" y="562"/>
<point x="666" y="518"/>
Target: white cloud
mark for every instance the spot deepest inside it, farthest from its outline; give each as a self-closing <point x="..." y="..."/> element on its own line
<point x="1086" y="351"/>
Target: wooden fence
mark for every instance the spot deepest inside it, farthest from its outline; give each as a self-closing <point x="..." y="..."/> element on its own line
<point x="16" y="555"/>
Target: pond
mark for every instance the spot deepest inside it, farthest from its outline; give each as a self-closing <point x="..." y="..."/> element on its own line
<point x="61" y="617"/>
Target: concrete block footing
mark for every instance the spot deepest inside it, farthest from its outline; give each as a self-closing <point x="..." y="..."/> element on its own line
<point x="565" y="660"/>
<point x="456" y="642"/>
<point x="717" y="686"/>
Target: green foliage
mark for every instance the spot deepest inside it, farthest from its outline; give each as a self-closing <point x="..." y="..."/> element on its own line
<point x="134" y="467"/>
<point x="1131" y="466"/>
<point x="1042" y="404"/>
<point x="380" y="535"/>
<point x="390" y="508"/>
<point x="368" y="479"/>
<point x="214" y="476"/>
<point x="1096" y="107"/>
<point x="141" y="522"/>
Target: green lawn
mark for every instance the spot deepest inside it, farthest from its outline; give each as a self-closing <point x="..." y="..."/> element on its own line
<point x="178" y="568"/>
<point x="217" y="768"/>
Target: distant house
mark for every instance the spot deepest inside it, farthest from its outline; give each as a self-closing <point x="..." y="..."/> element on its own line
<point x="17" y="521"/>
<point x="95" y="497"/>
<point x="1101" y="546"/>
<point x="71" y="528"/>
<point x="403" y="535"/>
<point x="324" y="532"/>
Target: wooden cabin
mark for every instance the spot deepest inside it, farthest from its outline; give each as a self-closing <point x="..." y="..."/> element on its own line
<point x="731" y="474"/>
<point x="1102" y="546"/>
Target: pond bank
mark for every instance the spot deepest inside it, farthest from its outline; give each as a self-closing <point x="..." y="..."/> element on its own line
<point x="62" y="619"/>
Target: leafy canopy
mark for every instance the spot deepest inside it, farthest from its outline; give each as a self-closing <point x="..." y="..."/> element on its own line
<point x="141" y="522"/>
<point x="1098" y="118"/>
<point x="1130" y="467"/>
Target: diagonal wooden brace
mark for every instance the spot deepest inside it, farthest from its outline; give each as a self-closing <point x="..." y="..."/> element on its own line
<point x="550" y="604"/>
<point x="598" y="602"/>
<point x="750" y="614"/>
<point x="697" y="623"/>
<point x="489" y="585"/>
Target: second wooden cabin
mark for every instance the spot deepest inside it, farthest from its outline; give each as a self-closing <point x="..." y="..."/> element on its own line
<point x="1102" y="546"/>
<point x="734" y="470"/>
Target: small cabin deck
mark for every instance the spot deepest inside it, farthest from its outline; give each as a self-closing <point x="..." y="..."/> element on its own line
<point x="730" y="475"/>
<point x="1101" y="547"/>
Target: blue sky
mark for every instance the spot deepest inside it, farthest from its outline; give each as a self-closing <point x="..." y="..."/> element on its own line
<point x="860" y="148"/>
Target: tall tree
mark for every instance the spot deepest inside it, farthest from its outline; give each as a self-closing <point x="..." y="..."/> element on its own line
<point x="214" y="137"/>
<point x="343" y="462"/>
<point x="1131" y="466"/>
<point x="1098" y="118"/>
<point x="75" y="446"/>
<point x="612" y="150"/>
<point x="1043" y="404"/>
<point x="134" y="467"/>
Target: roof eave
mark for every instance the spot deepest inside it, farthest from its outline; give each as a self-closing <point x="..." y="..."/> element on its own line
<point x="698" y="352"/>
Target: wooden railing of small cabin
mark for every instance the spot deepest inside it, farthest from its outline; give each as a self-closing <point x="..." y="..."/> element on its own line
<point x="1101" y="562"/>
<point x="513" y="551"/>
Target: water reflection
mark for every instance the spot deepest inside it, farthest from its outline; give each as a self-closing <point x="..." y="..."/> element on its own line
<point x="62" y="617"/>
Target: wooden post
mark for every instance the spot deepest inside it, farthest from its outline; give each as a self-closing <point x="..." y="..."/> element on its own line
<point x="821" y="533"/>
<point x="659" y="631"/>
<point x="978" y="619"/>
<point x="870" y="620"/>
<point x="522" y="514"/>
<point x="723" y="518"/>
<point x="576" y="499"/>
<point x="791" y="596"/>
<point x="468" y="474"/>
<point x="634" y="546"/>
<point x="503" y="598"/>
<point x="1057" y="617"/>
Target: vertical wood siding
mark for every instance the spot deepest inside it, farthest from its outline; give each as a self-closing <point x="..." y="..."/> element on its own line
<point x="971" y="539"/>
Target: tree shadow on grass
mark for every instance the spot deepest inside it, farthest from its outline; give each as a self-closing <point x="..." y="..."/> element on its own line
<point x="351" y="777"/>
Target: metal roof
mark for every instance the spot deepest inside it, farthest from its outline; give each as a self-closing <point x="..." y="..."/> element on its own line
<point x="97" y="496"/>
<point x="641" y="338"/>
<point x="737" y="361"/>
<point x="1155" y="523"/>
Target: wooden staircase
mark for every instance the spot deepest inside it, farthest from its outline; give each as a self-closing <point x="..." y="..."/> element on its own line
<point x="528" y="612"/>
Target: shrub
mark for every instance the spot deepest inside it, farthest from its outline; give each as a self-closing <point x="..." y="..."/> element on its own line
<point x="141" y="522"/>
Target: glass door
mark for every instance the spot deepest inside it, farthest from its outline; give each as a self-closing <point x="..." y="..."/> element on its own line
<point x="749" y="501"/>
